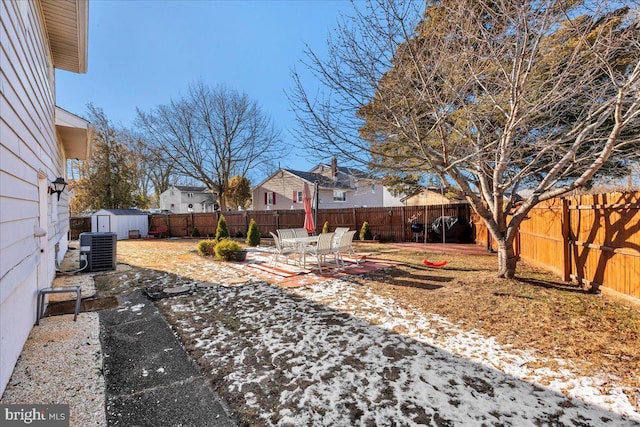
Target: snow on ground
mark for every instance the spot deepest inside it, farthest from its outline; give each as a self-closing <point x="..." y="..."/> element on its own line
<point x="436" y="331"/>
<point x="328" y="355"/>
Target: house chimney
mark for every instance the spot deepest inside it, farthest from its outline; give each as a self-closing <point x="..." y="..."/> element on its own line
<point x="334" y="168"/>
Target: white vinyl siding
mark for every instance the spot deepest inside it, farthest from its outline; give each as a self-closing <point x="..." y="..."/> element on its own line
<point x="28" y="149"/>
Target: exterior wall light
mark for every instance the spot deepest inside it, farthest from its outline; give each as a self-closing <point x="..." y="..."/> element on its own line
<point x="58" y="186"/>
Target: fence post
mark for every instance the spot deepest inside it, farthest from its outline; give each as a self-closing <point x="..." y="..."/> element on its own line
<point x="404" y="225"/>
<point x="566" y="252"/>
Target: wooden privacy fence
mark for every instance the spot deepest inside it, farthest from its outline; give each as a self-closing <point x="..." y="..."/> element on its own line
<point x="79" y="225"/>
<point x="593" y="239"/>
<point x="391" y="224"/>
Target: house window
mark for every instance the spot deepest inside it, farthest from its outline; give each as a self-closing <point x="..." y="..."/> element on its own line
<point x="339" y="196"/>
<point x="189" y="195"/>
<point x="297" y="197"/>
<point x="270" y="198"/>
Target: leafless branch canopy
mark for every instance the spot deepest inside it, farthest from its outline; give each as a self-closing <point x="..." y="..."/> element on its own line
<point x="493" y="96"/>
<point x="212" y="134"/>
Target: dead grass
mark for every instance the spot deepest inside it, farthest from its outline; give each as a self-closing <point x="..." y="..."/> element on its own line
<point x="598" y="333"/>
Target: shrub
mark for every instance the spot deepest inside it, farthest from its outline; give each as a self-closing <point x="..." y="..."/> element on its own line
<point x="253" y="234"/>
<point x="226" y="248"/>
<point x="222" y="231"/>
<point x="365" y="232"/>
<point x="239" y="234"/>
<point x="195" y="232"/>
<point x="325" y="227"/>
<point x="205" y="247"/>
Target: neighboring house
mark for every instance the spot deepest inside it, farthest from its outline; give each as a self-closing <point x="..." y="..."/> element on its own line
<point x="430" y="196"/>
<point x="338" y="187"/>
<point x="184" y="199"/>
<point x="36" y="139"/>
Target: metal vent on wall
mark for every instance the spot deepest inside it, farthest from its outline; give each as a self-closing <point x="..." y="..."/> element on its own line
<point x="98" y="251"/>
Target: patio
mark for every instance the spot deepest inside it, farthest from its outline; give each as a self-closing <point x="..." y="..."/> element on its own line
<point x="258" y="263"/>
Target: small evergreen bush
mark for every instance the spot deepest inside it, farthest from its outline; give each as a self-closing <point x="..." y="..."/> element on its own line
<point x="226" y="248"/>
<point x="205" y="247"/>
<point x="253" y="234"/>
<point x="222" y="231"/>
<point x="325" y="227"/>
<point x="195" y="232"/>
<point x="365" y="232"/>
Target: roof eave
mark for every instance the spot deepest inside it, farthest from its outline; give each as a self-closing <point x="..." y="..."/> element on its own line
<point x="67" y="27"/>
<point x="74" y="133"/>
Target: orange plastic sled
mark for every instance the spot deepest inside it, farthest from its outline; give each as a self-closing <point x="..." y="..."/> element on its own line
<point x="434" y="264"/>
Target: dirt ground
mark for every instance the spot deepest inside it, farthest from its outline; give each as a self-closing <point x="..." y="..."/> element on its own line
<point x="597" y="333"/>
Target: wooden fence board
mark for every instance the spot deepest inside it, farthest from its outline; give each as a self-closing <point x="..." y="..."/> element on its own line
<point x="590" y="238"/>
<point x="594" y="239"/>
<point x="78" y="225"/>
<point x="605" y="240"/>
<point x="392" y="224"/>
<point x="541" y="241"/>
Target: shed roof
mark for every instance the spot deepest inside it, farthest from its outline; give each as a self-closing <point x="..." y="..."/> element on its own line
<point x="123" y="211"/>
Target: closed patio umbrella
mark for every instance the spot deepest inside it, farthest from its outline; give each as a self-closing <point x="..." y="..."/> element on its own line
<point x="309" y="225"/>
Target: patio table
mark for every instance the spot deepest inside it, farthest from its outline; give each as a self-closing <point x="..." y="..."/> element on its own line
<point x="302" y="243"/>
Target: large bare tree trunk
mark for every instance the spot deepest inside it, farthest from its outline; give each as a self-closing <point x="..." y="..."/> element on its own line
<point x="507" y="259"/>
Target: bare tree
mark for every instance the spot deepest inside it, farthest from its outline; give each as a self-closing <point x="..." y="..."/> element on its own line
<point x="493" y="96"/>
<point x="157" y="168"/>
<point x="212" y="135"/>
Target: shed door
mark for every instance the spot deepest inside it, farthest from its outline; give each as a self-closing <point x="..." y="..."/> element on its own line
<point x="104" y="223"/>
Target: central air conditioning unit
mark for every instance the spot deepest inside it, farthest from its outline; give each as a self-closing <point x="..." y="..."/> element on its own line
<point x="98" y="251"/>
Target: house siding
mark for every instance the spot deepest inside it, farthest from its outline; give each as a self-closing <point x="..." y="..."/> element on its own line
<point x="180" y="200"/>
<point x="283" y="184"/>
<point x="30" y="157"/>
<point x="428" y="197"/>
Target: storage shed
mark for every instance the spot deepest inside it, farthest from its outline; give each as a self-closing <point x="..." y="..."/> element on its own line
<point x="126" y="223"/>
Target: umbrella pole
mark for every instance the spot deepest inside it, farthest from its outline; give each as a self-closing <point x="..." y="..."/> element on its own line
<point x="315" y="202"/>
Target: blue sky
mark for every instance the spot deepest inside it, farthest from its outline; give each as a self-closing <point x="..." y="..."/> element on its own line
<point x="142" y="53"/>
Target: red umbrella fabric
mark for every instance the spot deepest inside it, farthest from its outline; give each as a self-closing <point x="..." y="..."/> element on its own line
<point x="308" y="214"/>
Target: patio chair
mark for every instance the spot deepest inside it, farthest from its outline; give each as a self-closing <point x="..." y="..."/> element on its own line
<point x="300" y="232"/>
<point x="285" y="251"/>
<point x="338" y="232"/>
<point x="286" y="233"/>
<point x="323" y="248"/>
<point x="345" y="245"/>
